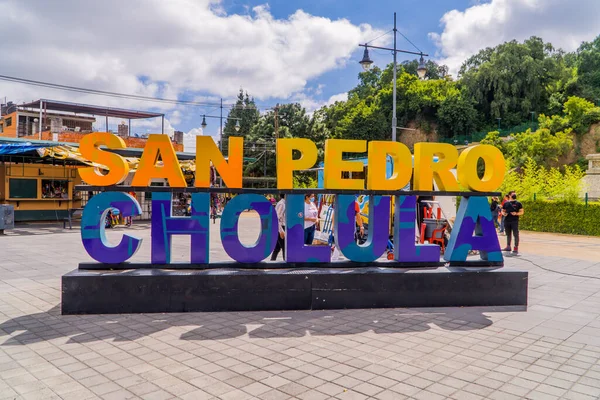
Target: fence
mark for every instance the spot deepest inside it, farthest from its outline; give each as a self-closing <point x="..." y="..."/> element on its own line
<point x="479" y="136"/>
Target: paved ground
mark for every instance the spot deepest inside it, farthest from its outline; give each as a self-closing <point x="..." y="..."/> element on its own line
<point x="550" y="351"/>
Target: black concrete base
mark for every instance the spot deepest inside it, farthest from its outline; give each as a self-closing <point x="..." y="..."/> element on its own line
<point x="162" y="290"/>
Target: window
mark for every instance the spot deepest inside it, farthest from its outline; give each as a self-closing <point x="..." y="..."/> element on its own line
<point x="8" y="122"/>
<point x="22" y="188"/>
<point x="52" y="189"/>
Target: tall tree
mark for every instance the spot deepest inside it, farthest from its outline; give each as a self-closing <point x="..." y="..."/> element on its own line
<point x="509" y="81"/>
<point x="588" y="67"/>
<point x="243" y="112"/>
<point x="434" y="70"/>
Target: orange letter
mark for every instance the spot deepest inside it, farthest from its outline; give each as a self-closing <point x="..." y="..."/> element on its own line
<point x="286" y="165"/>
<point x="115" y="164"/>
<point x="495" y="168"/>
<point x="402" y="161"/>
<point x="159" y="145"/>
<point x="334" y="165"/>
<point x="426" y="170"/>
<point x="230" y="170"/>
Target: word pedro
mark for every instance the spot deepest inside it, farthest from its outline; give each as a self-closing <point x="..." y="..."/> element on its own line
<point x="423" y="174"/>
<point x="473" y="230"/>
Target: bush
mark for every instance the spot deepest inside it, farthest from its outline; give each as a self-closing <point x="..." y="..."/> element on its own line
<point x="545" y="184"/>
<point x="561" y="217"/>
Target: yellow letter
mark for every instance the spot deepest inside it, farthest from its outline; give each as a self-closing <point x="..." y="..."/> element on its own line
<point x="495" y="168"/>
<point x="334" y="165"/>
<point x="115" y="164"/>
<point x="402" y="160"/>
<point x="230" y="170"/>
<point x="426" y="170"/>
<point x="159" y="145"/>
<point x="286" y="165"/>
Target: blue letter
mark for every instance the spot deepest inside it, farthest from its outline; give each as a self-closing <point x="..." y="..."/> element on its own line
<point x="405" y="221"/>
<point x="93" y="233"/>
<point x="474" y="215"/>
<point x="164" y="226"/>
<point x="345" y="228"/>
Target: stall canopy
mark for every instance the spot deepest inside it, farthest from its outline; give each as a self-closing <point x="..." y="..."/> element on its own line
<point x="14" y="148"/>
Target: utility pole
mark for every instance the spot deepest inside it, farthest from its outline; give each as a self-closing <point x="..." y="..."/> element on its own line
<point x="221" y="128"/>
<point x="394" y="119"/>
<point x="265" y="162"/>
<point x="277" y="121"/>
<point x="421" y="69"/>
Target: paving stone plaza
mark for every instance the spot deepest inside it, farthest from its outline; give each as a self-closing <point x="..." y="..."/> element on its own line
<point x="550" y="350"/>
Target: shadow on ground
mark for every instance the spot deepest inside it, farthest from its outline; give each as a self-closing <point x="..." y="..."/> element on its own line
<point x="51" y="227"/>
<point x="270" y="324"/>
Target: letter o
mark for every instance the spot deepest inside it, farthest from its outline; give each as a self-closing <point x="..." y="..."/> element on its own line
<point x="229" y="228"/>
<point x="495" y="168"/>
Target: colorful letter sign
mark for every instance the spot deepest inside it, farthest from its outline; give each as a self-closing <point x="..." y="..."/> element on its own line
<point x="472" y="230"/>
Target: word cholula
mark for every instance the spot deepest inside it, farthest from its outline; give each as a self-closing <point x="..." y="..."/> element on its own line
<point x="474" y="215"/>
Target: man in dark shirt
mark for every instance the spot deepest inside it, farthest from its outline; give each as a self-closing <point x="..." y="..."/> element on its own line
<point x="512" y="210"/>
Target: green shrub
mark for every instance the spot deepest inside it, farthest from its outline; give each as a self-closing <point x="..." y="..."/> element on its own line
<point x="561" y="217"/>
<point x="545" y="184"/>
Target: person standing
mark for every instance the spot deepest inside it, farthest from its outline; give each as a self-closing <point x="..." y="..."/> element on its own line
<point x="310" y="218"/>
<point x="360" y="228"/>
<point x="504" y="200"/>
<point x="512" y="210"/>
<point x="280" y="246"/>
<point x="494" y="208"/>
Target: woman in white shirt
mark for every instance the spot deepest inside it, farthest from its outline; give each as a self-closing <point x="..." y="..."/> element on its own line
<point x="310" y="218"/>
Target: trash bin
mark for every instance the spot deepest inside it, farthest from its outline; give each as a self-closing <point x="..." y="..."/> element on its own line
<point x="7" y="217"/>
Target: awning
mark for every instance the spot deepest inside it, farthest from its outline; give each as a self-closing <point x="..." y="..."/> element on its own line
<point x="72" y="153"/>
<point x="13" y="148"/>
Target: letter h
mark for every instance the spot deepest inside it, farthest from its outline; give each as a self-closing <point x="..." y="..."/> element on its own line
<point x="164" y="225"/>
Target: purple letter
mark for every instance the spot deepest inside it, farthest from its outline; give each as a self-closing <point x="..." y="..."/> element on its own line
<point x="229" y="228"/>
<point x="405" y="249"/>
<point x="164" y="225"/>
<point x="93" y="233"/>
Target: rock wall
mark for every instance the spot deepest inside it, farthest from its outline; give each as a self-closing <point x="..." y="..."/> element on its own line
<point x="414" y="134"/>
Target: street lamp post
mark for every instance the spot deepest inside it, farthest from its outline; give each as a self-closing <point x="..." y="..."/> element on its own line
<point x="366" y="63"/>
<point x="204" y="125"/>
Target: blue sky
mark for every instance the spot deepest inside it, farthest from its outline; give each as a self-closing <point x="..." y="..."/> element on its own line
<point x="414" y="19"/>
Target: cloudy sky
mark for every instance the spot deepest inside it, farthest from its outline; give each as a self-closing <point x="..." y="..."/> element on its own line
<point x="280" y="51"/>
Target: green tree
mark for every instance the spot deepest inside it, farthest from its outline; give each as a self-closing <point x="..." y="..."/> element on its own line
<point x="434" y="70"/>
<point x="510" y="80"/>
<point x="581" y="114"/>
<point x="493" y="138"/>
<point x="587" y="60"/>
<point x="456" y="116"/>
<point x="293" y="122"/>
<point x="541" y="146"/>
<point x="246" y="113"/>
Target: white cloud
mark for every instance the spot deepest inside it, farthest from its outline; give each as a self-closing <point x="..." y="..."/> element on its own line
<point x="564" y="23"/>
<point x="337" y="97"/>
<point x="311" y="105"/>
<point x="165" y="48"/>
<point x="189" y="140"/>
